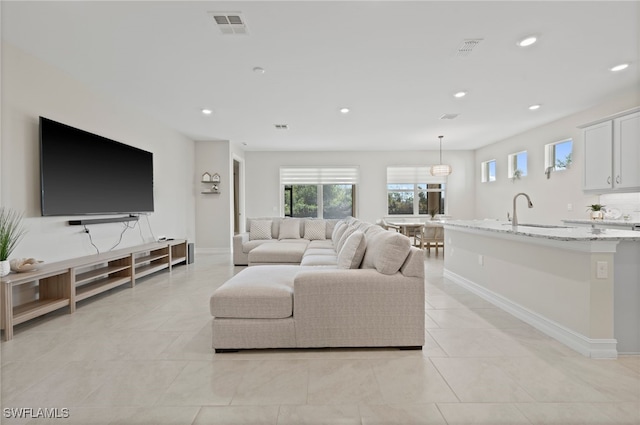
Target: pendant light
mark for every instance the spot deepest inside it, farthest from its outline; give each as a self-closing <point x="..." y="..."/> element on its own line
<point x="441" y="169"/>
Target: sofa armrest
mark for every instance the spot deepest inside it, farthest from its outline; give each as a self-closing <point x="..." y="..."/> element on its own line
<point x="239" y="257"/>
<point x="358" y="308"/>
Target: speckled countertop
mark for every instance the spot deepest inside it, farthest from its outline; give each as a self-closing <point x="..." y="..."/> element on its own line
<point x="621" y="223"/>
<point x="561" y="233"/>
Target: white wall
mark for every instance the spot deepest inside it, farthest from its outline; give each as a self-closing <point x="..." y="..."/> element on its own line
<point x="212" y="210"/>
<point x="549" y="196"/>
<point x="263" y="178"/>
<point x="32" y="88"/>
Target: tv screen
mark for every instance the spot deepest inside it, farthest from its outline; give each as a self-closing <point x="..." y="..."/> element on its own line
<point x="83" y="173"/>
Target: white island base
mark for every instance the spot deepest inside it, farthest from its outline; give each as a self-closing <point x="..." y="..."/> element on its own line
<point x="581" y="289"/>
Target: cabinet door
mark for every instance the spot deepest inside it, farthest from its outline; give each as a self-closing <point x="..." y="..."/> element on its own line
<point x="598" y="157"/>
<point x="626" y="151"/>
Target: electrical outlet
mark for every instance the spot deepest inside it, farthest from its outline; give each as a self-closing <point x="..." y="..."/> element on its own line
<point x="602" y="270"/>
<point x="569" y="207"/>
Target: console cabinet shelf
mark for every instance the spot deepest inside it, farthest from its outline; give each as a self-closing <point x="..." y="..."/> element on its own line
<point x="67" y="282"/>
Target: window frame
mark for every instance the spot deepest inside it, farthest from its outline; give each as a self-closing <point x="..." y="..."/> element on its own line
<point x="485" y="175"/>
<point x="416" y="197"/>
<point x="512" y="164"/>
<point x="319" y="199"/>
<point x="550" y="157"/>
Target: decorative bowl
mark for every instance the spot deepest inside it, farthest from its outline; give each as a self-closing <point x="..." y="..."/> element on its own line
<point x="21" y="265"/>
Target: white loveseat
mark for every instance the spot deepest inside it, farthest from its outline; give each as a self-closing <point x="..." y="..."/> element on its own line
<point x="362" y="286"/>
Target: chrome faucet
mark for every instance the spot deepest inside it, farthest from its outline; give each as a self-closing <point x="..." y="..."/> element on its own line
<point x="514" y="220"/>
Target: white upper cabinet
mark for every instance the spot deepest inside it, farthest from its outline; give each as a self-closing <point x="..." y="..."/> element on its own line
<point x="598" y="156"/>
<point x="626" y="148"/>
<point x="612" y="153"/>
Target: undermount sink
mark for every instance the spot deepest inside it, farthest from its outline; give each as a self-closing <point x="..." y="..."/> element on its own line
<point x="545" y="226"/>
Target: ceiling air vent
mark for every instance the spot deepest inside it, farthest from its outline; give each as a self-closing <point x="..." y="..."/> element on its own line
<point x="449" y="116"/>
<point x="230" y="22"/>
<point x="467" y="46"/>
<point x="282" y="126"/>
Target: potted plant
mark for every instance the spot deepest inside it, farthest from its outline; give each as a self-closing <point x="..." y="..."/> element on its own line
<point x="517" y="173"/>
<point x="11" y="231"/>
<point x="597" y="211"/>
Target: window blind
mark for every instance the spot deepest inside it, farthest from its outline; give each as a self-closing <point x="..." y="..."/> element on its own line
<point x="319" y="175"/>
<point x="398" y="175"/>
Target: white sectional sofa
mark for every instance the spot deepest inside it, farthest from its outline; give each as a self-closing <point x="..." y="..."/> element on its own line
<point x="358" y="286"/>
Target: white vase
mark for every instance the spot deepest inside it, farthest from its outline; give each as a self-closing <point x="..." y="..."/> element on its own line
<point x="5" y="268"/>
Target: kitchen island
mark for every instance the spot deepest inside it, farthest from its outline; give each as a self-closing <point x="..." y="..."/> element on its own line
<point x="577" y="285"/>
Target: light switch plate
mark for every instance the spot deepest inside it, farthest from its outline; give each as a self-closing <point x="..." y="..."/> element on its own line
<point x="602" y="270"/>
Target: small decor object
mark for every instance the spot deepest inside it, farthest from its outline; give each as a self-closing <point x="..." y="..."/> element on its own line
<point x="215" y="178"/>
<point x="11" y="231"/>
<point x="206" y="177"/>
<point x="215" y="188"/>
<point x="516" y="175"/>
<point x="21" y="265"/>
<point x="597" y="211"/>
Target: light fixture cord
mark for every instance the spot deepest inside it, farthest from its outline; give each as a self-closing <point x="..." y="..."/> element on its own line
<point x="440" y="148"/>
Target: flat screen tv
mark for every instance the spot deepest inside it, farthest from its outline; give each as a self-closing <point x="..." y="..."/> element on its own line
<point x="83" y="173"/>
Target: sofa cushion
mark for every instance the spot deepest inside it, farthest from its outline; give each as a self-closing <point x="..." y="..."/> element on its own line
<point x="320" y="260"/>
<point x="343" y="238"/>
<point x="248" y="246"/>
<point x="260" y="229"/>
<point x="282" y="253"/>
<point x="386" y="252"/>
<point x="315" y="229"/>
<point x="352" y="252"/>
<point x="325" y="244"/>
<point x="256" y="293"/>
<point x="289" y="229"/>
<point x="338" y="231"/>
<point x="319" y="251"/>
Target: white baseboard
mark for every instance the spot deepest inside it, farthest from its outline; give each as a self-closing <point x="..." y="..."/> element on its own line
<point x="213" y="250"/>
<point x="594" y="348"/>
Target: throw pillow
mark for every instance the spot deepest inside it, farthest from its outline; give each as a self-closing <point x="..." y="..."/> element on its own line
<point x="260" y="229"/>
<point x="343" y="238"/>
<point x="289" y="229"/>
<point x="341" y="226"/>
<point x="352" y="252"/>
<point x="386" y="252"/>
<point x="315" y="229"/>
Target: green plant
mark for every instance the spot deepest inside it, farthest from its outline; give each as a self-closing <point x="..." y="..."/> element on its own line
<point x="561" y="165"/>
<point x="517" y="173"/>
<point x="595" y="207"/>
<point x="11" y="231"/>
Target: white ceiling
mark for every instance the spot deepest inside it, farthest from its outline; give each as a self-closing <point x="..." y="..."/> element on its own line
<point x="395" y="64"/>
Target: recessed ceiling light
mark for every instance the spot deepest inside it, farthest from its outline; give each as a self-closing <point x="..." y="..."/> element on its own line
<point x="534" y="107"/>
<point x="460" y="94"/>
<point x="206" y="111"/>
<point x="620" y="67"/>
<point x="344" y="110"/>
<point x="528" y="41"/>
<point x="258" y="70"/>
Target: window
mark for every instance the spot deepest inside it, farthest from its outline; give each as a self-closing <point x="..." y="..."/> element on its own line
<point x="489" y="171"/>
<point x="413" y="191"/>
<point x="326" y="192"/>
<point x="557" y="156"/>
<point x="517" y="166"/>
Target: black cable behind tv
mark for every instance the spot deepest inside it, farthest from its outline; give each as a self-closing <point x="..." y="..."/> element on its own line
<point x="103" y="220"/>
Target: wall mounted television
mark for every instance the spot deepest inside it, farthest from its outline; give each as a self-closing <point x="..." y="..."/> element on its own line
<point x="82" y="173"/>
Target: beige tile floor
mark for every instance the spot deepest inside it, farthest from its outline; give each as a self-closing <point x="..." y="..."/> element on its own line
<point x="143" y="356"/>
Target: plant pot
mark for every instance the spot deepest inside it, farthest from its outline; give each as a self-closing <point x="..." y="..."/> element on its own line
<point x="5" y="268"/>
<point x="597" y="215"/>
